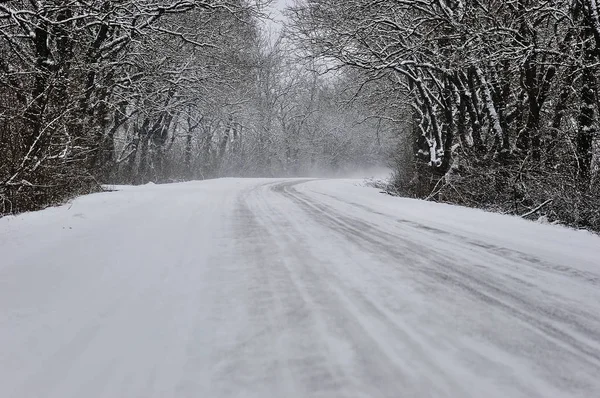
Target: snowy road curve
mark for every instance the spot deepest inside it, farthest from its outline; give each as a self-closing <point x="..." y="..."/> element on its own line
<point x="293" y="288"/>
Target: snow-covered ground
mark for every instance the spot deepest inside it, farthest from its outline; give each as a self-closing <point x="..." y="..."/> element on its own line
<point x="293" y="288"/>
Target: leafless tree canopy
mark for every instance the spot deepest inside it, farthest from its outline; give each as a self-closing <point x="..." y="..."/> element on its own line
<point x="135" y="91"/>
<point x="501" y="97"/>
<point x="485" y="103"/>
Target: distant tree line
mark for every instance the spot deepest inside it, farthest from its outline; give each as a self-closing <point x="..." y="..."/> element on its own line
<point x="132" y="91"/>
<point x="496" y="101"/>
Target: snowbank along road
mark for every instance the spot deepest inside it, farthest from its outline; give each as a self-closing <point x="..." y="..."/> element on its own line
<point x="293" y="288"/>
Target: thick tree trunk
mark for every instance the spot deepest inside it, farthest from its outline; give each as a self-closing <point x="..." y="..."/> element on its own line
<point x="586" y="124"/>
<point x="490" y="108"/>
<point x="449" y="127"/>
<point x="467" y="104"/>
<point x="35" y="112"/>
<point x="473" y="106"/>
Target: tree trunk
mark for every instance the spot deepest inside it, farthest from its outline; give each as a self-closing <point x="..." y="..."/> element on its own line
<point x="490" y="108"/>
<point x="586" y="124"/>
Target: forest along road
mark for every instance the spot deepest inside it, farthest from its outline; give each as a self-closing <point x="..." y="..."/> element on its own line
<point x="293" y="288"/>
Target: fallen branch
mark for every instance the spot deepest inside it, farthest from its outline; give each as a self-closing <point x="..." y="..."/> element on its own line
<point x="535" y="210"/>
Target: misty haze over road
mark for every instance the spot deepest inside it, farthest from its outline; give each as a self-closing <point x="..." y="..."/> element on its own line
<point x="293" y="288"/>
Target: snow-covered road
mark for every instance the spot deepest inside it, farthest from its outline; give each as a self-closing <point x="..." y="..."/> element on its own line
<point x="293" y="288"/>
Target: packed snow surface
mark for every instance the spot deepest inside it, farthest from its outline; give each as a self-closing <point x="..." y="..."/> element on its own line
<point x="293" y="288"/>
